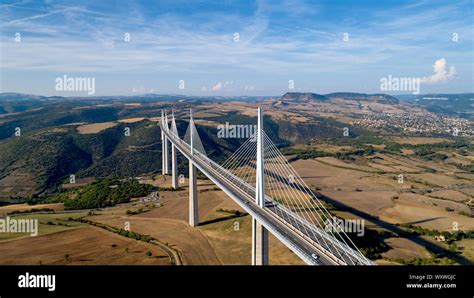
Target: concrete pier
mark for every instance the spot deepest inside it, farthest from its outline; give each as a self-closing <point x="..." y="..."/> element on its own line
<point x="193" y="197"/>
<point x="259" y="233"/>
<point x="174" y="168"/>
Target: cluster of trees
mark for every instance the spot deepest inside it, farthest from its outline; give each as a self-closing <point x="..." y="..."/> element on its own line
<point x="136" y="236"/>
<point x="424" y="261"/>
<point x="422" y="150"/>
<point x="104" y="193"/>
<point x="313" y="153"/>
<point x="371" y="244"/>
<point x="305" y="153"/>
<point x="467" y="168"/>
<point x="449" y="237"/>
<point x="430" y="151"/>
<point x="234" y="212"/>
<point x="31" y="211"/>
<point x="430" y="154"/>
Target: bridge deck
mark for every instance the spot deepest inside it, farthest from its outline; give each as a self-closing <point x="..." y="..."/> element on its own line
<point x="310" y="243"/>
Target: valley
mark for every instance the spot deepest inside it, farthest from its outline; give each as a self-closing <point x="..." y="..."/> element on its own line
<point x="409" y="185"/>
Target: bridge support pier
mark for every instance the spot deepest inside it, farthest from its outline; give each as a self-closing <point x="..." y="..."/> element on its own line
<point x="163" y="153"/>
<point x="174" y="168"/>
<point x="259" y="233"/>
<point x="259" y="244"/>
<point x="164" y="144"/>
<point x="166" y="157"/>
<point x="193" y="198"/>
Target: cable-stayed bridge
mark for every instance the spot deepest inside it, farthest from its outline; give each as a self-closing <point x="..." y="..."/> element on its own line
<point x="261" y="181"/>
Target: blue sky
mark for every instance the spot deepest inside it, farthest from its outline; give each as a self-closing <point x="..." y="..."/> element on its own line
<point x="195" y="41"/>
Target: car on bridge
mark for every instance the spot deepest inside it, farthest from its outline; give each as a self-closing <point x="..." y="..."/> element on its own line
<point x="270" y="204"/>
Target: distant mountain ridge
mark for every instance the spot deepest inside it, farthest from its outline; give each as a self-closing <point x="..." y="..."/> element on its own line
<point x="437" y="96"/>
<point x="11" y="96"/>
<point x="378" y="97"/>
<point x="461" y="104"/>
<point x="307" y="96"/>
<point x="303" y="96"/>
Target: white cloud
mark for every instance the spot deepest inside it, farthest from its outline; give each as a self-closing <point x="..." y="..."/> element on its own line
<point x="140" y="89"/>
<point x="249" y="88"/>
<point x="217" y="87"/>
<point x="227" y="86"/>
<point x="39" y="16"/>
<point x="441" y="73"/>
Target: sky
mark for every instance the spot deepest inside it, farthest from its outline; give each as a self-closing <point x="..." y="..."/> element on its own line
<point x="234" y="48"/>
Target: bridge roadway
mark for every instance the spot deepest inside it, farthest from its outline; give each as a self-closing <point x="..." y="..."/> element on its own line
<point x="312" y="245"/>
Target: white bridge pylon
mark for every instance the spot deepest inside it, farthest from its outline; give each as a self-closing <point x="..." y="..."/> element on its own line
<point x="261" y="181"/>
